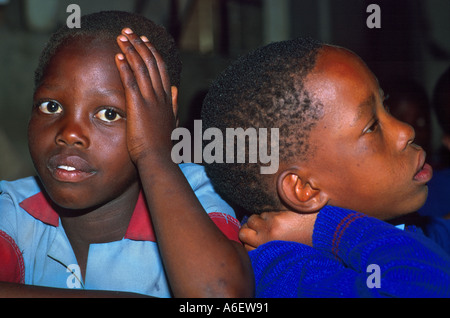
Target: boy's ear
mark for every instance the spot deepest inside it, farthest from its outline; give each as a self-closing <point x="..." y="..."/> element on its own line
<point x="174" y="91"/>
<point x="298" y="194"/>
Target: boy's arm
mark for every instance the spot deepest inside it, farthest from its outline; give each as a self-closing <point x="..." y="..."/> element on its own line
<point x="280" y="226"/>
<point x="289" y="269"/>
<point x="356" y="239"/>
<point x="15" y="290"/>
<point x="199" y="260"/>
<point x="410" y="264"/>
<point x="348" y="248"/>
<point x="12" y="278"/>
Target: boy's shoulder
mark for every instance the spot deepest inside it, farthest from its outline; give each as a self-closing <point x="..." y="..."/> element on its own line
<point x="201" y="185"/>
<point x="24" y="212"/>
<point x="20" y="189"/>
<point x="194" y="173"/>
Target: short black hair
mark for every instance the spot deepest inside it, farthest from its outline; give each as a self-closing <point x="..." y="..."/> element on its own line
<point x="107" y="25"/>
<point x="263" y="89"/>
<point x="441" y="101"/>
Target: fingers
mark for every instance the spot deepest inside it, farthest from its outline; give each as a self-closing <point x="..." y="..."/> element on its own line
<point x="257" y="222"/>
<point x="149" y="76"/>
<point x="140" y="70"/>
<point x="248" y="237"/>
<point x="132" y="93"/>
<point x="163" y="74"/>
<point x="252" y="232"/>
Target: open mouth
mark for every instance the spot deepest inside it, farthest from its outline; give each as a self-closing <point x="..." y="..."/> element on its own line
<point x="424" y="171"/>
<point x="70" y="168"/>
<point x="67" y="168"/>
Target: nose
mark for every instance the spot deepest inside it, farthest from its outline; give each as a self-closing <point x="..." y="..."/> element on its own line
<point x="405" y="134"/>
<point x="73" y="132"/>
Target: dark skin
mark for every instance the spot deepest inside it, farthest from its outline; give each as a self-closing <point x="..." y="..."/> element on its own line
<point x="363" y="158"/>
<point x="413" y="112"/>
<point x="196" y="253"/>
<point x="110" y="130"/>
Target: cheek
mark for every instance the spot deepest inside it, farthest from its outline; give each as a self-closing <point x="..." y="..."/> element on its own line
<point x="354" y="178"/>
<point x="32" y="132"/>
<point x="112" y="153"/>
<point x="38" y="138"/>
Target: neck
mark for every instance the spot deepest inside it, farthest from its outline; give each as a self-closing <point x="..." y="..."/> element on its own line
<point x="102" y="224"/>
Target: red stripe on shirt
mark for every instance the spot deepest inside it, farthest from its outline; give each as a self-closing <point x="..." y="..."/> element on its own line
<point x="227" y="224"/>
<point x="12" y="268"/>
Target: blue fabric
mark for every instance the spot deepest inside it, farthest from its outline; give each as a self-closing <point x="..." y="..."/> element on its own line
<point x="346" y="245"/>
<point x="125" y="265"/>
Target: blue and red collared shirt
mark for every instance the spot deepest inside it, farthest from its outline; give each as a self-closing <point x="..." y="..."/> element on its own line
<point x="35" y="250"/>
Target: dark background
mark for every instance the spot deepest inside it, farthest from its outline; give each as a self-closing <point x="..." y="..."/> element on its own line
<point x="413" y="42"/>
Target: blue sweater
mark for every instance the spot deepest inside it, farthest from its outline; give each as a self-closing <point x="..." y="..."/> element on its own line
<point x="353" y="256"/>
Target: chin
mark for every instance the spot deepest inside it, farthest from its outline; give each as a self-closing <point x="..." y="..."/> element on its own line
<point x="74" y="204"/>
<point x="420" y="199"/>
<point x="69" y="199"/>
<point x="413" y="207"/>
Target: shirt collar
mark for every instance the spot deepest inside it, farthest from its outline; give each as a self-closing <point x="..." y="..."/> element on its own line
<point x="139" y="229"/>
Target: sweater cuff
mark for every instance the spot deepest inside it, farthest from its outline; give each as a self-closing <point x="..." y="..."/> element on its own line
<point x="331" y="224"/>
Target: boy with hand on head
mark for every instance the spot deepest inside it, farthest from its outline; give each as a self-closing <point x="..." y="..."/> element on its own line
<point x="110" y="210"/>
<point x="340" y="152"/>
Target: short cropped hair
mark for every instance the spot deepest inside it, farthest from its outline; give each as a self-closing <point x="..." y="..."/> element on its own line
<point x="263" y="89"/>
<point x="441" y="101"/>
<point x="107" y="25"/>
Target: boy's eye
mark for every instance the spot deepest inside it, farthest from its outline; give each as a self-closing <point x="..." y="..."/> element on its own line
<point x="108" y="115"/>
<point x="50" y="107"/>
<point x="373" y="127"/>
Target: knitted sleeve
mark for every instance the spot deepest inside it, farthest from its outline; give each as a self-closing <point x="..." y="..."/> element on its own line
<point x="353" y="256"/>
<point x="288" y="269"/>
<point x="408" y="264"/>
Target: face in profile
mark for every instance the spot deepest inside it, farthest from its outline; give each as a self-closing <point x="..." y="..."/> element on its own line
<point x="363" y="158"/>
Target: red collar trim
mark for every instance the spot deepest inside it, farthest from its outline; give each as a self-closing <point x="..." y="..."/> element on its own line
<point x="139" y="229"/>
<point x="40" y="208"/>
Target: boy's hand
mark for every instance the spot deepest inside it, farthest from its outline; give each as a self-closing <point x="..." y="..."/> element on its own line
<point x="272" y="226"/>
<point x="193" y="249"/>
<point x="148" y="93"/>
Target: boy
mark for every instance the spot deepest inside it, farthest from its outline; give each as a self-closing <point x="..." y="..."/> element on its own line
<point x="340" y="150"/>
<point x="99" y="136"/>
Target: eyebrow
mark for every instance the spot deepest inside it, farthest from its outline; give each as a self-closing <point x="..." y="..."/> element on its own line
<point x="368" y="103"/>
<point x="110" y="91"/>
<point x="105" y="92"/>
